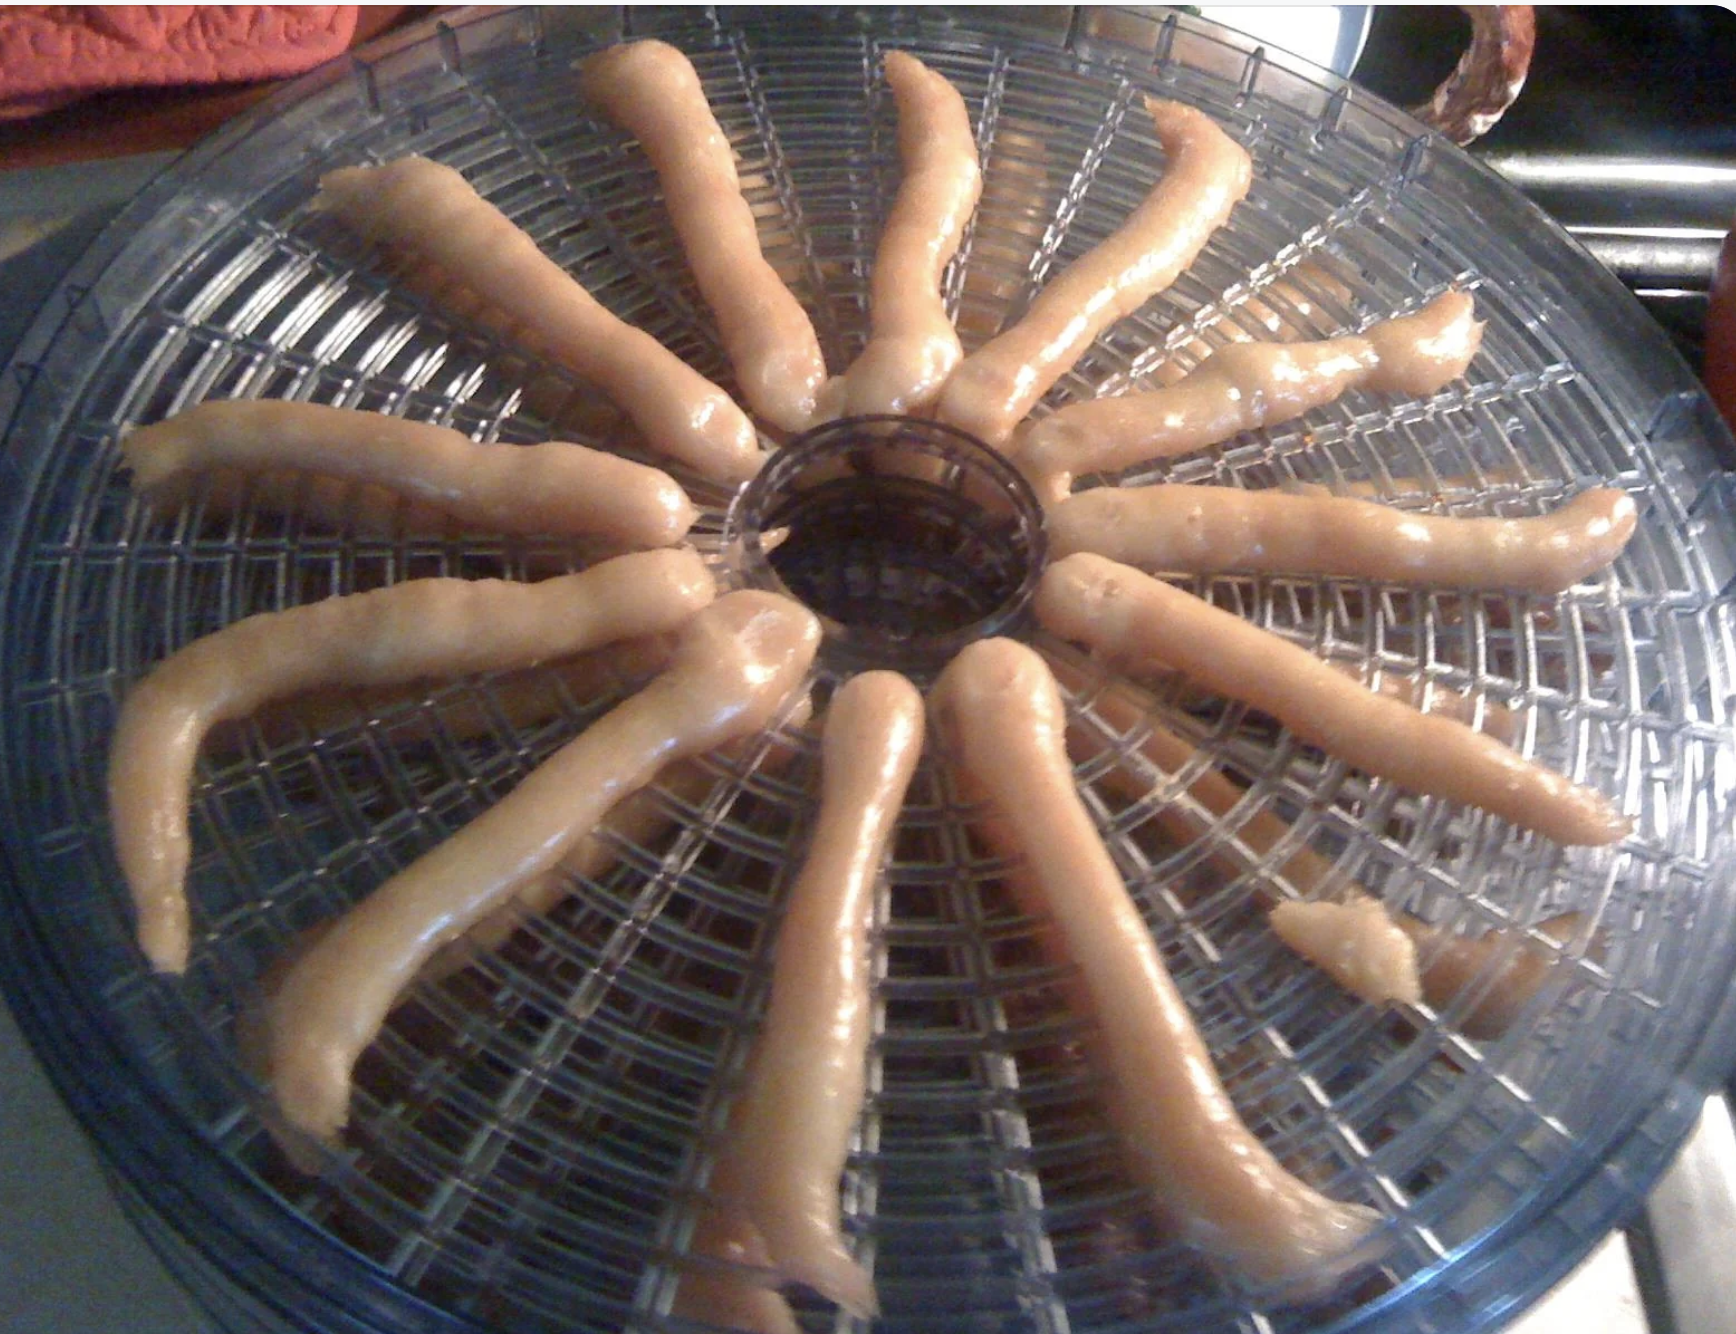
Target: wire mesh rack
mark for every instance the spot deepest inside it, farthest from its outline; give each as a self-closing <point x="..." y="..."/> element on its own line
<point x="531" y="1131"/>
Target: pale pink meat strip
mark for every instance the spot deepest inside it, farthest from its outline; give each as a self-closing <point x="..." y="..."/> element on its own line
<point x="552" y="488"/>
<point x="1206" y="173"/>
<point x="1000" y="712"/>
<point x="432" y="211"/>
<point x="736" y="664"/>
<point x="1244" y="386"/>
<point x="912" y="345"/>
<point x="789" y="1132"/>
<point x="425" y="627"/>
<point x="1121" y="612"/>
<point x="1205" y="529"/>
<point x="652" y="91"/>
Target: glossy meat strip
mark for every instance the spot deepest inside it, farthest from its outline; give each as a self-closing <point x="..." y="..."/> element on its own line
<point x="552" y="488"/>
<point x="425" y="627"/>
<point x="432" y="211"/>
<point x="1119" y="611"/>
<point x="1244" y="386"/>
<point x="652" y="91"/>
<point x="1369" y="952"/>
<point x="1001" y="714"/>
<point x="736" y="664"/>
<point x="1205" y="529"/>
<point x="912" y="345"/>
<point x="789" y="1132"/>
<point x="1205" y="174"/>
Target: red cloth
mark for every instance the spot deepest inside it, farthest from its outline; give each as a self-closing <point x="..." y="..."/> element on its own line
<point x="53" y="54"/>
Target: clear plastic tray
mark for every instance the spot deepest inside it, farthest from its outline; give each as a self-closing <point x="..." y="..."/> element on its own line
<point x="528" y="1132"/>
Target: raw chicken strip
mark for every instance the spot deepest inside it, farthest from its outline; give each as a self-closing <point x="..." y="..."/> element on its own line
<point x="652" y="91"/>
<point x="550" y="488"/>
<point x="912" y="345"/>
<point x="790" y="1131"/>
<point x="1119" y="611"/>
<point x="1206" y="173"/>
<point x="432" y="210"/>
<point x="1244" y="386"/>
<point x="421" y="628"/>
<point x="1204" y="529"/>
<point x="737" y="663"/>
<point x="1001" y="714"/>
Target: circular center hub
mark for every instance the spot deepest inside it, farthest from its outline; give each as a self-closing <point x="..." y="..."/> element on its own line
<point x="908" y="538"/>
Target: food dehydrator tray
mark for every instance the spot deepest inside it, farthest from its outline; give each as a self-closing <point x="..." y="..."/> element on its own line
<point x="529" y="1132"/>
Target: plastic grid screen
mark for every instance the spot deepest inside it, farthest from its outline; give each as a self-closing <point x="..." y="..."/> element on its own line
<point x="530" y="1130"/>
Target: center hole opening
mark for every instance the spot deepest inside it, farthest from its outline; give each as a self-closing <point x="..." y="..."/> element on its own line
<point x="908" y="538"/>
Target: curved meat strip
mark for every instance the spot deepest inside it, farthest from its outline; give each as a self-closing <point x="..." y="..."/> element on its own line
<point x="652" y="91"/>
<point x="1244" y="386"/>
<point x="737" y="662"/>
<point x="432" y="210"/>
<point x="1206" y="173"/>
<point x="1119" y="611"/>
<point x="912" y="345"/>
<point x="1001" y="714"/>
<point x="1509" y="967"/>
<point x="530" y="489"/>
<point x="790" y="1131"/>
<point x="424" y="627"/>
<point x="1282" y="311"/>
<point x="1204" y="529"/>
